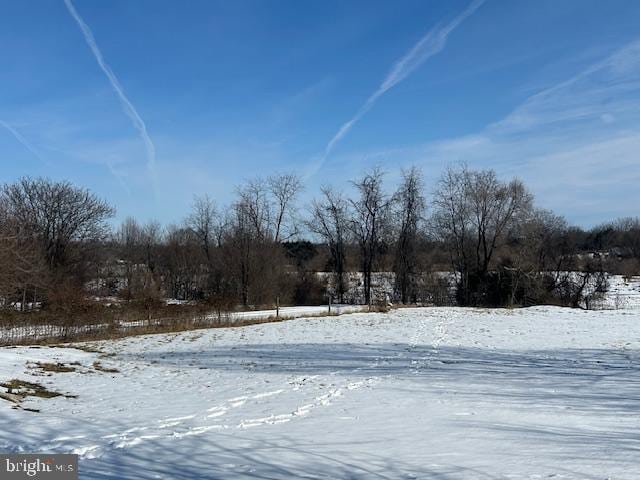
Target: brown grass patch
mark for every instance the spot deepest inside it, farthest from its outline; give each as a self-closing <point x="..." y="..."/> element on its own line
<point x="56" y="367"/>
<point x="85" y="347"/>
<point x="98" y="366"/>
<point x="23" y="389"/>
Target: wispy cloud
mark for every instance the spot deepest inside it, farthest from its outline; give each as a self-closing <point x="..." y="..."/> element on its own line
<point x="18" y="136"/>
<point x="429" y="45"/>
<point x="601" y="92"/>
<point x="127" y="106"/>
<point x="575" y="143"/>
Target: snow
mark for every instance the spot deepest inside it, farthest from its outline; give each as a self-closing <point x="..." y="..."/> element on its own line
<point x="295" y="312"/>
<point x="623" y="292"/>
<point x="446" y="393"/>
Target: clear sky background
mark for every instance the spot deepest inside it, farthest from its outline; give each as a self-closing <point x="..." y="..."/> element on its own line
<point x="150" y="102"/>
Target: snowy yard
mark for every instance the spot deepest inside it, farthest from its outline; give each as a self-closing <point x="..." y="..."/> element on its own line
<point x="443" y="393"/>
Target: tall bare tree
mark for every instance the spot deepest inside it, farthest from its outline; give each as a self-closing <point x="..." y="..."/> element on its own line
<point x="284" y="189"/>
<point x="409" y="208"/>
<point x="182" y="264"/>
<point x="330" y="221"/>
<point x="369" y="209"/>
<point x="253" y="209"/>
<point x="151" y="236"/>
<point x="203" y="222"/>
<point x="129" y="240"/>
<point x="451" y="220"/>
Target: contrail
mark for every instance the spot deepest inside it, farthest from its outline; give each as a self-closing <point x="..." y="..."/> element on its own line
<point x="128" y="107"/>
<point x="428" y="46"/>
<point x="22" y="140"/>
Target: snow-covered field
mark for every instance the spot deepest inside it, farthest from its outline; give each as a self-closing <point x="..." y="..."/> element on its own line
<point x="443" y="393"/>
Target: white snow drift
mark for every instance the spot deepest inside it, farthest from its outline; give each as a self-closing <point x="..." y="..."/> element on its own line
<point x="444" y="393"/>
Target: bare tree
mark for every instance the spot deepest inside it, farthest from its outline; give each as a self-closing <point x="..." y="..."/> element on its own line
<point x="182" y="264"/>
<point x="129" y="240"/>
<point x="263" y="216"/>
<point x="59" y="214"/>
<point x="239" y="248"/>
<point x="475" y="212"/>
<point x="251" y="228"/>
<point x="451" y="221"/>
<point x="369" y="209"/>
<point x="535" y="253"/>
<point x="23" y="271"/>
<point x="140" y="248"/>
<point x="629" y="236"/>
<point x="284" y="189"/>
<point x="409" y="208"/>
<point x="330" y="220"/>
<point x="254" y="260"/>
<point x="253" y="209"/>
<point x="221" y="227"/>
<point x="496" y="208"/>
<point x="151" y="236"/>
<point x="203" y="222"/>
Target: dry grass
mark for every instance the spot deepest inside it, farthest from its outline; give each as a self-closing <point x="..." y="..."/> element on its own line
<point x="379" y="308"/>
<point x="56" y="367"/>
<point x="23" y="389"/>
<point x="98" y="366"/>
<point x="85" y="347"/>
<point x="182" y="321"/>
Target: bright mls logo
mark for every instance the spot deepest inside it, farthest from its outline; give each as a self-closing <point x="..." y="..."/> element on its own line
<point x="50" y="467"/>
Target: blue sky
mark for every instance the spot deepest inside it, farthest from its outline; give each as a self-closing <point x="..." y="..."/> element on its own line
<point x="149" y="103"/>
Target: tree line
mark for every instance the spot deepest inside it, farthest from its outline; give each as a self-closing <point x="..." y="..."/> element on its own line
<point x="474" y="240"/>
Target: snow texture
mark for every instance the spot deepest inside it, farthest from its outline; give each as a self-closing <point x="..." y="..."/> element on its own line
<point x="442" y="393"/>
